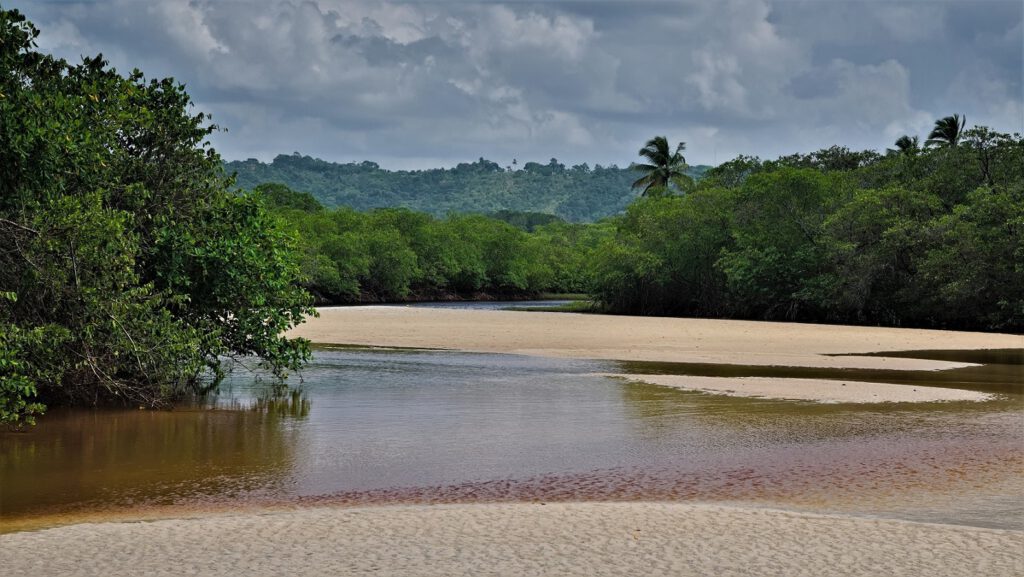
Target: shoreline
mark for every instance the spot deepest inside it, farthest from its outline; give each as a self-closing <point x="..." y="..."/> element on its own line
<point x="816" y="390"/>
<point x="605" y="538"/>
<point x="672" y="340"/>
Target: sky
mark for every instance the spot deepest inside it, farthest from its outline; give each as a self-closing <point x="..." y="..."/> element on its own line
<point x="415" y="85"/>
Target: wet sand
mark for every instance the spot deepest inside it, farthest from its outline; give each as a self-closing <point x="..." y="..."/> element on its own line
<point x="623" y="338"/>
<point x="819" y="390"/>
<point x="590" y="539"/>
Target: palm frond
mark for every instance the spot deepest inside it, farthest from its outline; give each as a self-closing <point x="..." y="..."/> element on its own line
<point x="644" y="167"/>
<point x="663" y="166"/>
<point x="947" y="131"/>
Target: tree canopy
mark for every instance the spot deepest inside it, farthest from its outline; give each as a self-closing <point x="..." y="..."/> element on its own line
<point x="129" y="270"/>
<point x="579" y="193"/>
<point x="931" y="238"/>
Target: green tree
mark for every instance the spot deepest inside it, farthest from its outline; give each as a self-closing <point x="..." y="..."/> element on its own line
<point x="662" y="167"/>
<point x="137" y="270"/>
<point x="973" y="272"/>
<point x="776" y="226"/>
<point x="947" y="131"/>
<point x="278" y="196"/>
<point x="874" y="244"/>
<point x="998" y="155"/>
<point x="907" y="145"/>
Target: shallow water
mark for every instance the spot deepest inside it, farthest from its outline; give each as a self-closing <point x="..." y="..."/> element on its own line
<point x="386" y="426"/>
<point x="494" y="305"/>
<point x="998" y="371"/>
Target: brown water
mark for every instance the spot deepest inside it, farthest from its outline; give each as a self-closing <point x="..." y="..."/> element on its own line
<point x="386" y="426"/>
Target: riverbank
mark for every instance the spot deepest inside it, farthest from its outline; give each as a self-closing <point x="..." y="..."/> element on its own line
<point x="517" y="539"/>
<point x="674" y="340"/>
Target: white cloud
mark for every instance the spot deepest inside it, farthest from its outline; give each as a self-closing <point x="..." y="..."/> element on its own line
<point x="395" y="81"/>
<point x="911" y="22"/>
<point x="185" y="22"/>
<point x="559" y="36"/>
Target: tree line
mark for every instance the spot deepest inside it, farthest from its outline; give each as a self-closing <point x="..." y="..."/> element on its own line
<point x="579" y="193"/>
<point x="920" y="236"/>
<point x="927" y="236"/>
<point x="396" y="254"/>
<point x="129" y="268"/>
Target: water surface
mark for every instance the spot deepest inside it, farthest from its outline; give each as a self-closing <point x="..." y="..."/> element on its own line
<point x="387" y="426"/>
<point x="495" y="305"/>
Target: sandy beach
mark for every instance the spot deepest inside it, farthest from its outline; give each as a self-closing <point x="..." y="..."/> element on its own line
<point x="608" y="337"/>
<point x="517" y="539"/>
<point x="640" y="338"/>
<point x="592" y="538"/>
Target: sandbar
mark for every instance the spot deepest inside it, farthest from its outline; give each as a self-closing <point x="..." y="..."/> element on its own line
<point x="818" y="390"/>
<point x="677" y="340"/>
<point x="592" y="539"/>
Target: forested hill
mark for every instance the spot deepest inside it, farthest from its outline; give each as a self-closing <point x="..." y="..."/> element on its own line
<point x="578" y="194"/>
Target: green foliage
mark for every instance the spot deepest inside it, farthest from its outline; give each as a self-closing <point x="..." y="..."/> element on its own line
<point x="663" y="171"/>
<point x="17" y="387"/>
<point x="928" y="237"/>
<point x="397" y="254"/>
<point x="662" y="260"/>
<point x="278" y="196"/>
<point x="872" y="246"/>
<point x="973" y="270"/>
<point x="776" y="225"/>
<point x="528" y="221"/>
<point x="577" y="194"/>
<point x="137" y="270"/>
<point x="947" y="131"/>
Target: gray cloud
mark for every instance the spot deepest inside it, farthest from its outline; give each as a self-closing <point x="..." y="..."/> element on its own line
<point x="415" y="84"/>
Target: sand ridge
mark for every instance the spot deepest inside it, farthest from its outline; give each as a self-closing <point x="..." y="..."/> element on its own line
<point x="819" y="390"/>
<point x="608" y="337"/>
<point x="615" y="337"/>
<point x="587" y="539"/>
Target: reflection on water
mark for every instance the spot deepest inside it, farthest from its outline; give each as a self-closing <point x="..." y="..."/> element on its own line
<point x="82" y="460"/>
<point x="419" y="426"/>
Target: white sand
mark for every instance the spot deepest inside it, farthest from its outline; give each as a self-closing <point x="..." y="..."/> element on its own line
<point x="819" y="390"/>
<point x="670" y="340"/>
<point x="588" y="539"/>
<point x="640" y="338"/>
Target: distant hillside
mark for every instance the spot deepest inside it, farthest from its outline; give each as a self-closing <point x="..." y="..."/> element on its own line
<point x="577" y="194"/>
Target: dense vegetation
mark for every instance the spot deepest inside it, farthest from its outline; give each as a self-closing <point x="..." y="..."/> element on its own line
<point x="396" y="254"/>
<point x="923" y="237"/>
<point x="128" y="267"/>
<point x="928" y="237"/>
<point x="577" y="194"/>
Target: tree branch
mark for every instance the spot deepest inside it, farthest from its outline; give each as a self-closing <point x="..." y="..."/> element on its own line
<point x="19" y="226"/>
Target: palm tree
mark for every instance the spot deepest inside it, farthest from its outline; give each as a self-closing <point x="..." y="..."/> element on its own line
<point x="906" y="145"/>
<point x="947" y="131"/>
<point x="662" y="167"/>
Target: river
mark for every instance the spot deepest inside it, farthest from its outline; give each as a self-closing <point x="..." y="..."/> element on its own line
<point x="377" y="426"/>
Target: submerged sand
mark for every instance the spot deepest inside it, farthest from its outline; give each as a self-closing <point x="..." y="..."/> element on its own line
<point x="624" y="338"/>
<point x="820" y="390"/>
<point x="590" y="539"/>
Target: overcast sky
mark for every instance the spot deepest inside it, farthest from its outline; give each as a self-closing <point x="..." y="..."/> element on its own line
<point x="424" y="84"/>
